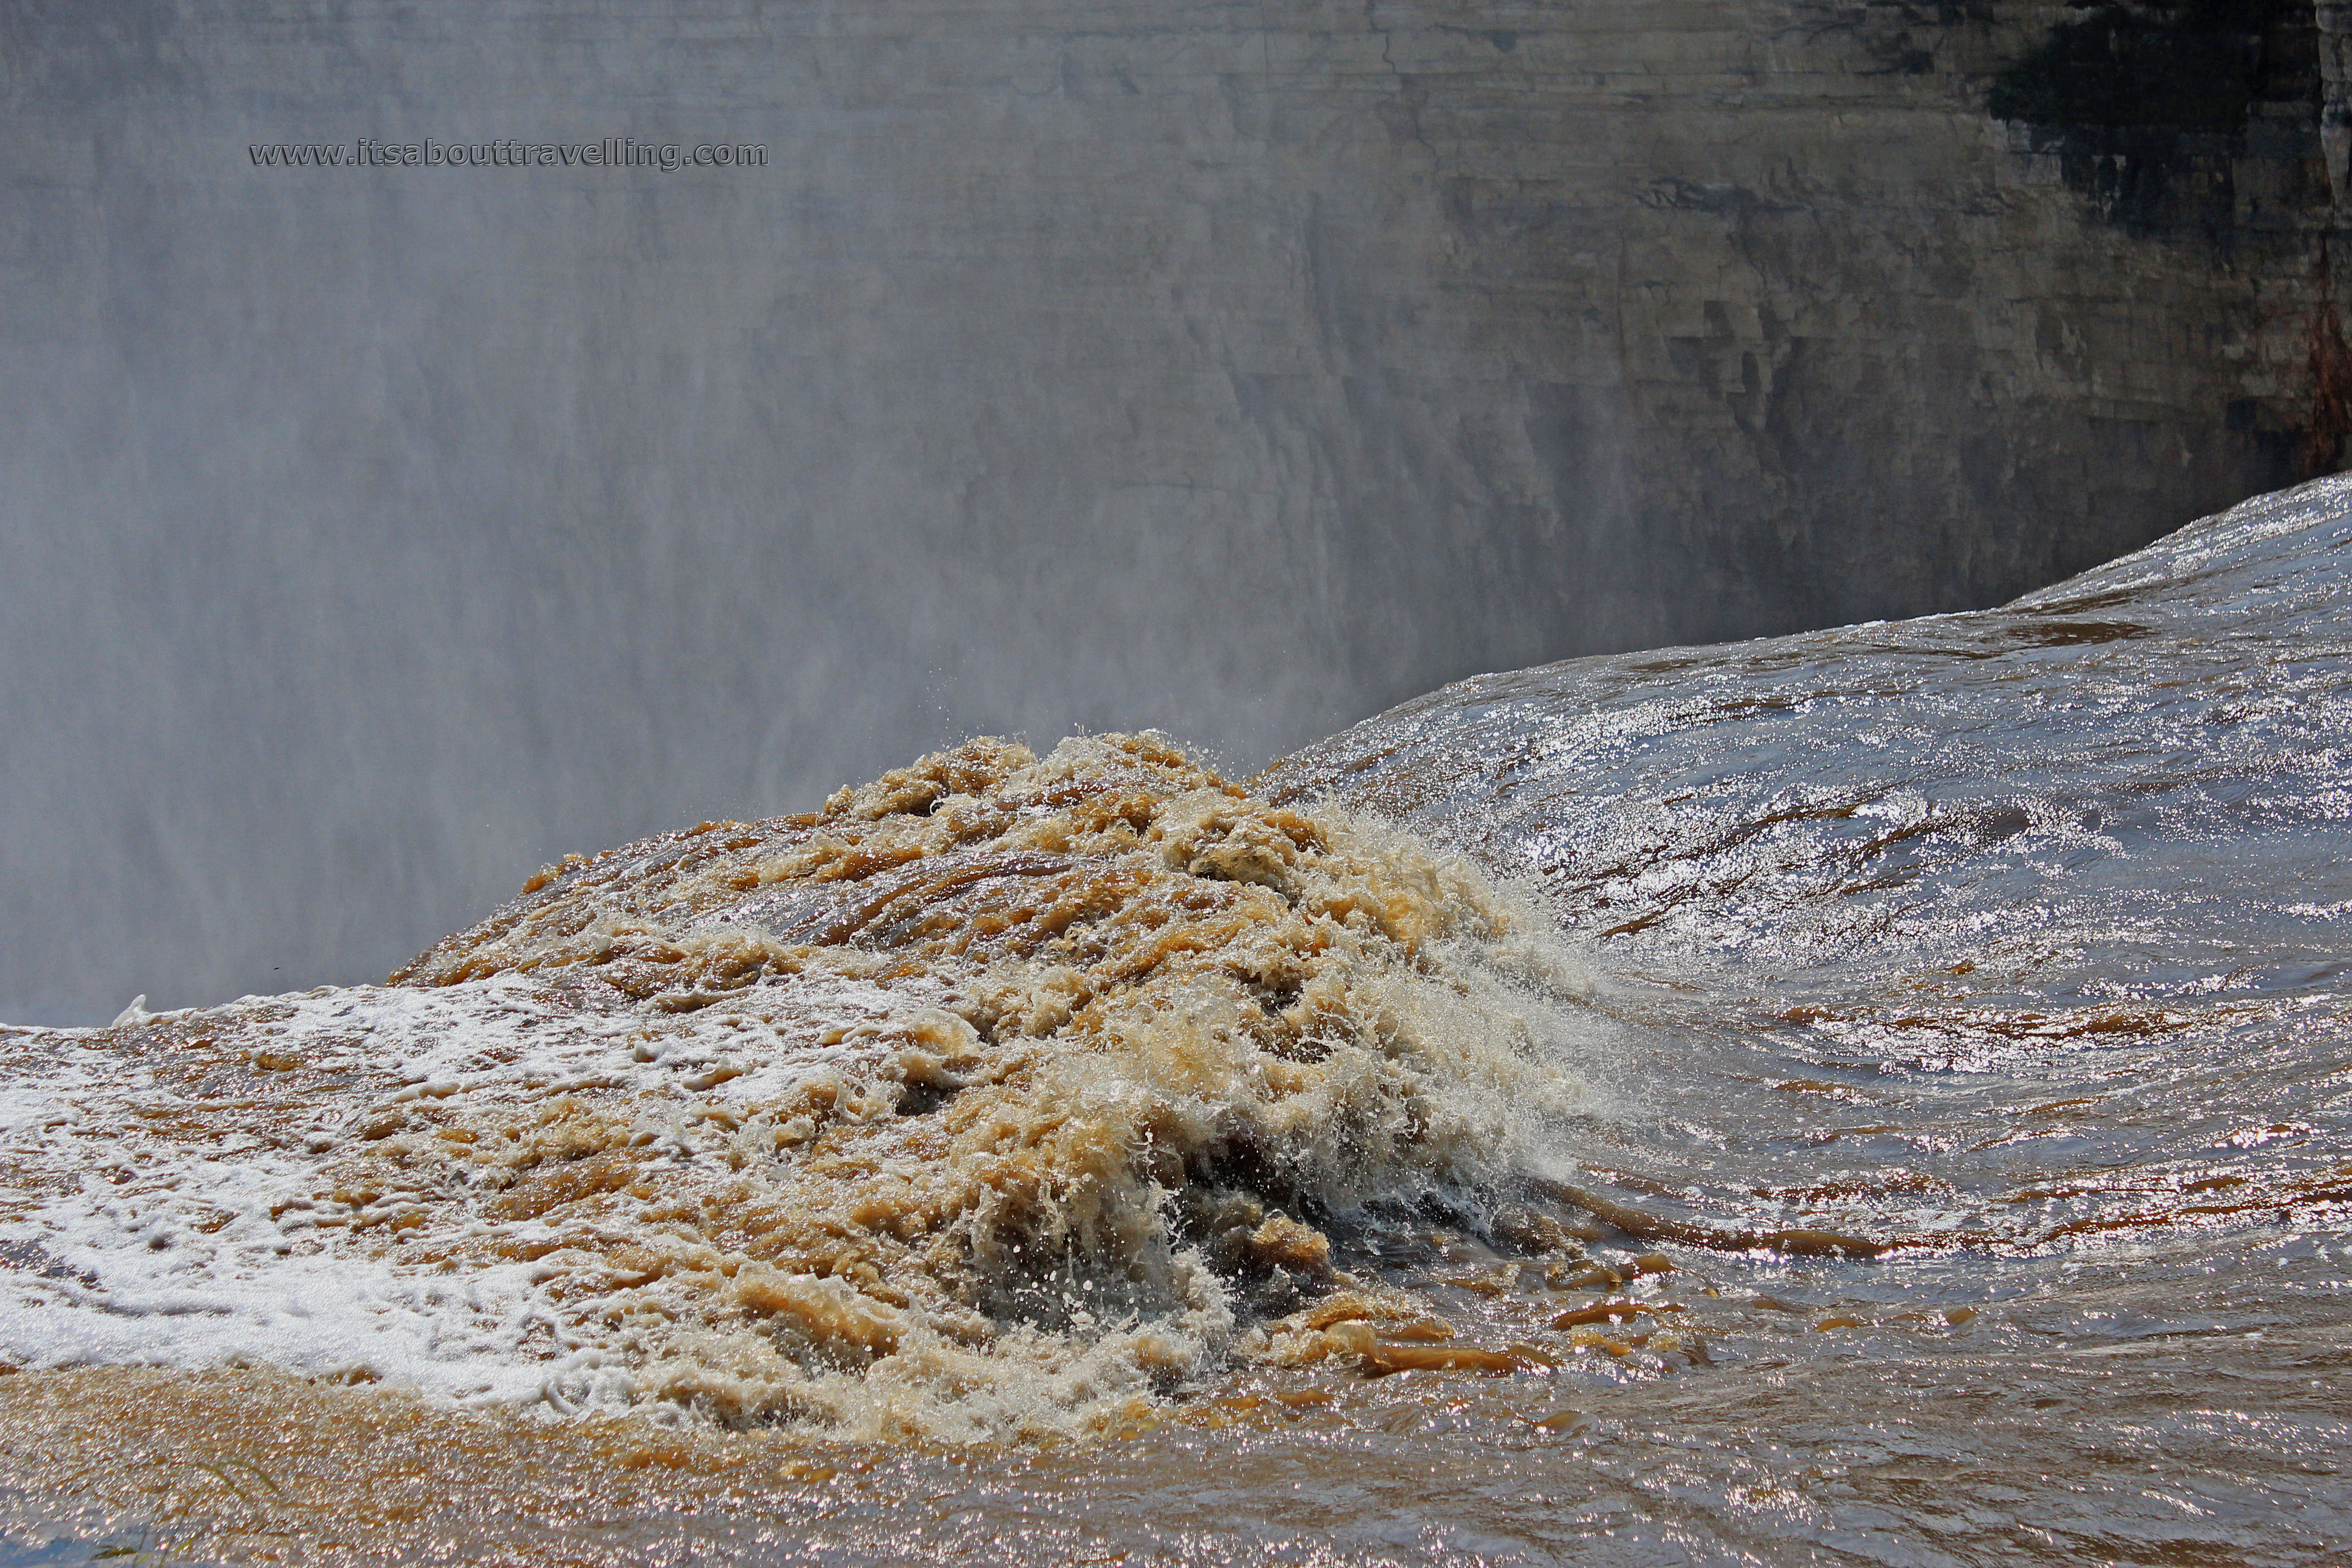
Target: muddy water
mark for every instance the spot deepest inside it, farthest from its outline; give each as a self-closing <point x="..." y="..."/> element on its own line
<point x="1879" y="1095"/>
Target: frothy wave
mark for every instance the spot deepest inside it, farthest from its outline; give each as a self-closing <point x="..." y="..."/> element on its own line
<point x="998" y="1097"/>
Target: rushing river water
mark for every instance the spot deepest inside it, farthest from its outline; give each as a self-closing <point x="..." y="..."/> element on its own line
<point x="1878" y="1095"/>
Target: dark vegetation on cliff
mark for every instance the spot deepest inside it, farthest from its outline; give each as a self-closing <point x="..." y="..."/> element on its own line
<point x="2154" y="106"/>
<point x="2176" y="65"/>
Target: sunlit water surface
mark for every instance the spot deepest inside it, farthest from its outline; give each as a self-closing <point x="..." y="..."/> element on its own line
<point x="2012" y="942"/>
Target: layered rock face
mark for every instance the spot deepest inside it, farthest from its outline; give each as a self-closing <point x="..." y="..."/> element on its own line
<point x="1240" y="369"/>
<point x="1873" y="350"/>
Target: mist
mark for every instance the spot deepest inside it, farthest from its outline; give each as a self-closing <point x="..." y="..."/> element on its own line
<point x="372" y="536"/>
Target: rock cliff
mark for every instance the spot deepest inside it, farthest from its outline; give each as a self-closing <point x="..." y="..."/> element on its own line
<point x="1237" y="368"/>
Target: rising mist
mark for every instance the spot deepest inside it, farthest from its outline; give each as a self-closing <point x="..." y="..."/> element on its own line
<point x="372" y="536"/>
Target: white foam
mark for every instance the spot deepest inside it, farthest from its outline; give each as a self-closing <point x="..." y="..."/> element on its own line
<point x="141" y="1252"/>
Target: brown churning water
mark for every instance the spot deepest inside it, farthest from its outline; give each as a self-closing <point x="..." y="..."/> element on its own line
<point x="998" y="1099"/>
